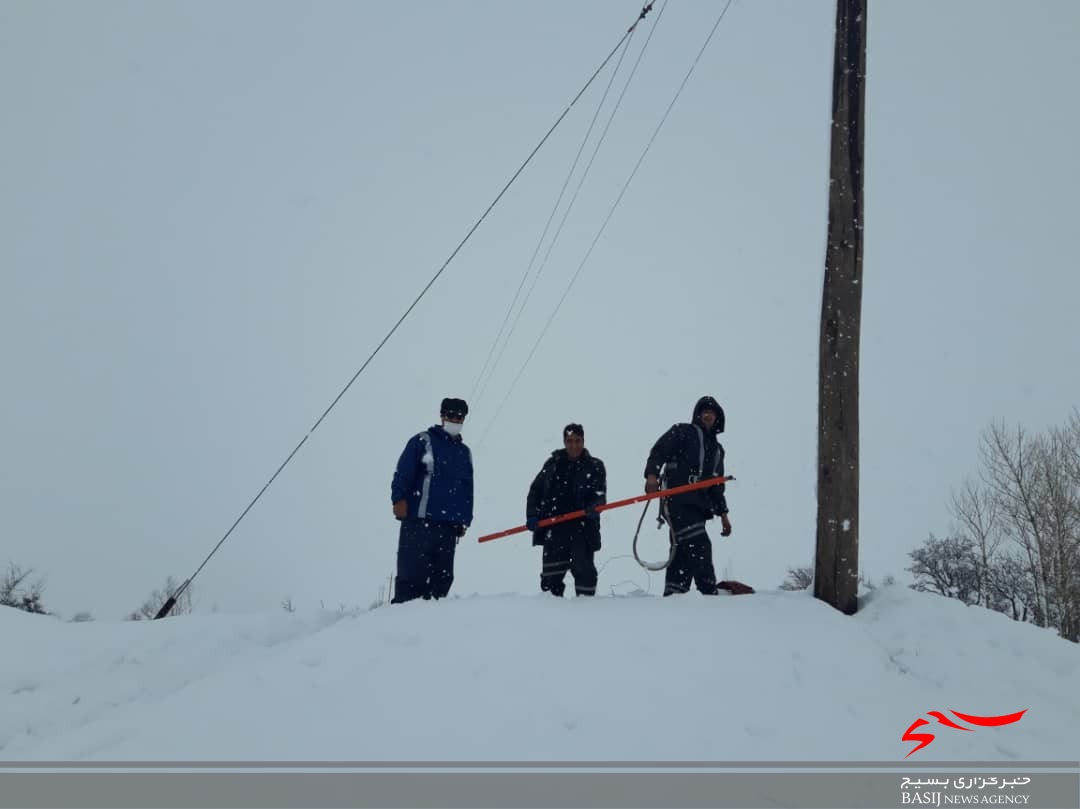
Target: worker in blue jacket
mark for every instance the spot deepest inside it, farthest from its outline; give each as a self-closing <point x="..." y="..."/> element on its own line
<point x="432" y="496"/>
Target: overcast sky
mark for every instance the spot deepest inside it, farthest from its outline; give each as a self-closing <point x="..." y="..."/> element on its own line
<point x="211" y="213"/>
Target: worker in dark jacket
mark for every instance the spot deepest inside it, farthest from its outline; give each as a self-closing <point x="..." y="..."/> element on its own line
<point x="570" y="480"/>
<point x="432" y="496"/>
<point x="687" y="453"/>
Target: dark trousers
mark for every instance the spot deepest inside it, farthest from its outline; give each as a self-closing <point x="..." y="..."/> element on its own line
<point x="693" y="562"/>
<point x="568" y="550"/>
<point x="425" y="560"/>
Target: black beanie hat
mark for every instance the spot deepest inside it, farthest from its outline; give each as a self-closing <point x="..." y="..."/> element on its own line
<point x="455" y="408"/>
<point x="573" y="429"/>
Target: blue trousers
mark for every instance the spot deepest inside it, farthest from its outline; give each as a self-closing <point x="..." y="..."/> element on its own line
<point x="425" y="560"/>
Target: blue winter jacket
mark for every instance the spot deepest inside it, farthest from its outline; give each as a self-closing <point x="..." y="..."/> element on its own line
<point x="435" y="476"/>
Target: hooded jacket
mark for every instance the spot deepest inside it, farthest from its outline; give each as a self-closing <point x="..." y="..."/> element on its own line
<point x="688" y="452"/>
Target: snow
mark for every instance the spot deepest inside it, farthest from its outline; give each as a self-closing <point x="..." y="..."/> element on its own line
<point x="772" y="676"/>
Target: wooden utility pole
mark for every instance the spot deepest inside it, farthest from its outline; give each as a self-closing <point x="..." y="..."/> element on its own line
<point x="836" y="571"/>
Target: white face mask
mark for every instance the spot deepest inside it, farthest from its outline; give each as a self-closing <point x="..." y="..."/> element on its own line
<point x="452" y="427"/>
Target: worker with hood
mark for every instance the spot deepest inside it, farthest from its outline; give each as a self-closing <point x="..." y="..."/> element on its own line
<point x="687" y="453"/>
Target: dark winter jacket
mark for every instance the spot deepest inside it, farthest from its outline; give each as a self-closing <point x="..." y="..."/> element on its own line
<point x="565" y="485"/>
<point x="435" y="476"/>
<point x="687" y="453"/>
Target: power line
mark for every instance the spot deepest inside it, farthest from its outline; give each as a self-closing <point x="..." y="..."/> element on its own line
<point x="581" y="180"/>
<point x="607" y="219"/>
<point x="171" y="602"/>
<point x="477" y="389"/>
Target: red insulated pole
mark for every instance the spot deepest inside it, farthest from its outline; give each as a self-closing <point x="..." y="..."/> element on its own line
<point x="641" y="498"/>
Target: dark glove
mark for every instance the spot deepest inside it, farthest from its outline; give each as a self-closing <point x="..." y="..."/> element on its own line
<point x="532" y="522"/>
<point x="726" y="523"/>
<point x="459" y="531"/>
<point x="591" y="513"/>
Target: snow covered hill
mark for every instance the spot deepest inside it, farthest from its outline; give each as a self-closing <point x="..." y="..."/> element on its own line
<point x="771" y="676"/>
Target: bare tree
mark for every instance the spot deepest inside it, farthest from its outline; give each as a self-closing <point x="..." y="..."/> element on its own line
<point x="1010" y="473"/>
<point x="1010" y="587"/>
<point x="17" y="591"/>
<point x="946" y="567"/>
<point x="1072" y="453"/>
<point x="1034" y="482"/>
<point x="1061" y="517"/>
<point x="975" y="510"/>
<point x="1071" y="461"/>
<point x="798" y="578"/>
<point x="953" y="567"/>
<point x="1016" y="548"/>
<point x="150" y="607"/>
